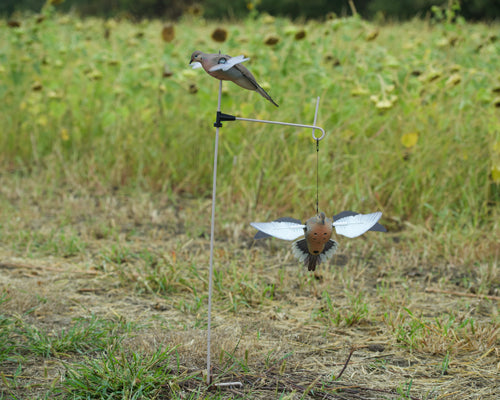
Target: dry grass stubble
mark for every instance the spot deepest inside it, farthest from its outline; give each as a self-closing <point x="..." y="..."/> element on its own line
<point x="142" y="259"/>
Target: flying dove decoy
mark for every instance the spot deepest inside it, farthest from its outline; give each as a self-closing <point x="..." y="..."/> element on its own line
<point x="227" y="68"/>
<point x="317" y="245"/>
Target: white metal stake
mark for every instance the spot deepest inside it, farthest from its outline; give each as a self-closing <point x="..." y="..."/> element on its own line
<point x="212" y="229"/>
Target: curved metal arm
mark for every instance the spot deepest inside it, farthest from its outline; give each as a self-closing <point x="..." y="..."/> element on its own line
<point x="287" y="123"/>
<point x="227" y="117"/>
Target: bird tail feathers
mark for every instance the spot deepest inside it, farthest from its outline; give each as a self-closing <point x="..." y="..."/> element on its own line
<point x="301" y="252"/>
<point x="264" y="94"/>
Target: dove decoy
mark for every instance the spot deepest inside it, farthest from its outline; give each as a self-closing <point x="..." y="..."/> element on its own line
<point x="227" y="68"/>
<point x="317" y="245"/>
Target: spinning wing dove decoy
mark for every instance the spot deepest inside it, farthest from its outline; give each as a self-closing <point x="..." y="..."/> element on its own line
<point x="317" y="245"/>
<point x="227" y="68"/>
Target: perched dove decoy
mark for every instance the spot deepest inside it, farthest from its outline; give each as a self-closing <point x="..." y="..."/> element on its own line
<point x="226" y="68"/>
<point x="317" y="245"/>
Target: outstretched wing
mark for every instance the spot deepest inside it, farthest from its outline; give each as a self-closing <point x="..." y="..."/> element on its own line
<point x="262" y="235"/>
<point x="355" y="225"/>
<point x="377" y="227"/>
<point x="283" y="228"/>
<point x="228" y="63"/>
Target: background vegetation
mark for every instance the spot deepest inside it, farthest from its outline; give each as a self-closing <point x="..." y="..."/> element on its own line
<point x="412" y="129"/>
<point x="105" y="193"/>
<point x="173" y="9"/>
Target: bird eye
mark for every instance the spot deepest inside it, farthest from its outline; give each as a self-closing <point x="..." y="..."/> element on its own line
<point x="222" y="61"/>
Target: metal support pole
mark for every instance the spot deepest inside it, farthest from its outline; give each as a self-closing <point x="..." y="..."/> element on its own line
<point x="212" y="229"/>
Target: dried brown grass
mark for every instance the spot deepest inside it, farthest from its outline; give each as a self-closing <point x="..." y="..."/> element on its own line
<point x="276" y="328"/>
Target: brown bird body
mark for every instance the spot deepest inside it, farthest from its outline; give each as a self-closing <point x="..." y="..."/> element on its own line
<point x="317" y="244"/>
<point x="237" y="73"/>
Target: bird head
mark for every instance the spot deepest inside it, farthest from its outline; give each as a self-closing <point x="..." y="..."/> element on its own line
<point x="197" y="56"/>
<point x="321" y="218"/>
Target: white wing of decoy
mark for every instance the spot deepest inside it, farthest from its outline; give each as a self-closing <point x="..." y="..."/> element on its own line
<point x="280" y="229"/>
<point x="228" y="63"/>
<point x="355" y="225"/>
<point x="377" y="227"/>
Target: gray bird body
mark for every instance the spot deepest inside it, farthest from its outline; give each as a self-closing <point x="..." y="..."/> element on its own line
<point x="237" y="73"/>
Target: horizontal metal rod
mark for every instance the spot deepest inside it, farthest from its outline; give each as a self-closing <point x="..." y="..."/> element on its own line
<point x="286" y="123"/>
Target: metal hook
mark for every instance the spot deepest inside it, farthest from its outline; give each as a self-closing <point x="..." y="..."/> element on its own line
<point x="314" y="123"/>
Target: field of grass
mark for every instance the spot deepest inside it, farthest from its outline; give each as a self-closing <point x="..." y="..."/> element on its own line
<point x="105" y="195"/>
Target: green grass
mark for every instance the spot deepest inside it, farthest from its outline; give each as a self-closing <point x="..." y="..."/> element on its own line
<point x="8" y="344"/>
<point x="118" y="375"/>
<point x="85" y="335"/>
<point x="105" y="208"/>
